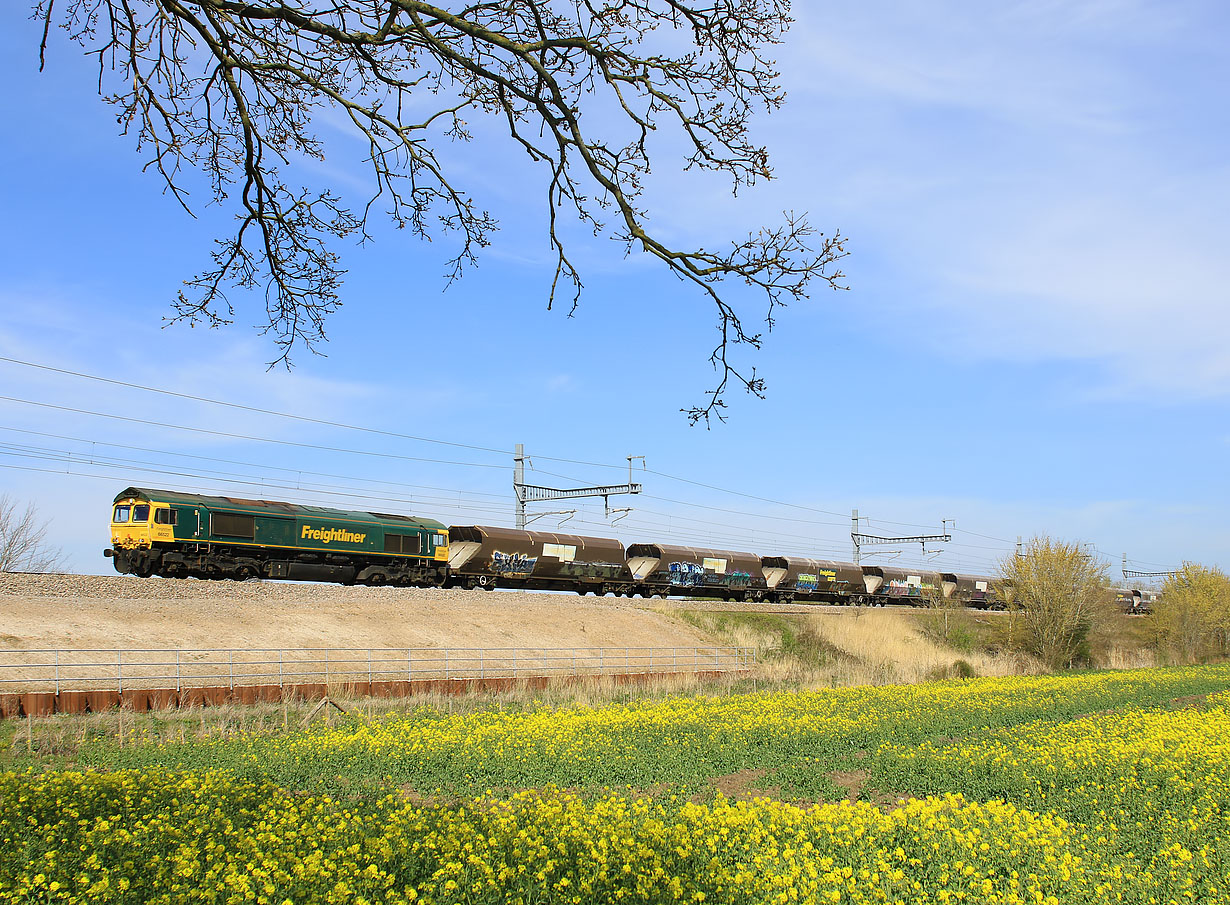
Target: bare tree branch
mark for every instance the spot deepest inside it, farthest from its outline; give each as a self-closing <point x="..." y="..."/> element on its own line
<point x="23" y="540"/>
<point x="229" y="88"/>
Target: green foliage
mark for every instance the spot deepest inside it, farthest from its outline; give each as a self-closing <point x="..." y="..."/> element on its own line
<point x="776" y="636"/>
<point x="677" y="742"/>
<point x="1151" y="785"/>
<point x="1082" y="788"/>
<point x="956" y="629"/>
<point x="1059" y="592"/>
<point x="1192" y="617"/>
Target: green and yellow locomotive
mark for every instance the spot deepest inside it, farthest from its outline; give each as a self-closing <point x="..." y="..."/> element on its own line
<point x="177" y="535"/>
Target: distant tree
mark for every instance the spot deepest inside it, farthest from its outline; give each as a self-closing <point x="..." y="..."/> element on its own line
<point x="230" y="88"/>
<point x="1058" y="591"/>
<point x="1192" y="614"/>
<point x="23" y="540"/>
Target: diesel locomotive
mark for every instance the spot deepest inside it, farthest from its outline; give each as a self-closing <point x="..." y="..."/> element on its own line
<point x="181" y="535"/>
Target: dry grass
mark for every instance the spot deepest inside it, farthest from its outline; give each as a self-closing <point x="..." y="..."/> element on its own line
<point x="860" y="647"/>
<point x="888" y="646"/>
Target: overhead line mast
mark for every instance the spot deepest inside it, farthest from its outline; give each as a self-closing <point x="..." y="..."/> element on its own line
<point x="872" y="540"/>
<point x="535" y="493"/>
<point x="1132" y="573"/>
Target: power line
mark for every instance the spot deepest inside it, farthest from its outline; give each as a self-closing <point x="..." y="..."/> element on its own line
<point x="276" y="484"/>
<point x="250" y="408"/>
<point x="403" y="436"/>
<point x="397" y="435"/>
<point x="214" y="480"/>
<point x="984" y="536"/>
<point x="216" y="433"/>
<point x="286" y="468"/>
<point x="784" y="518"/>
<point x="750" y="496"/>
<point x="706" y="537"/>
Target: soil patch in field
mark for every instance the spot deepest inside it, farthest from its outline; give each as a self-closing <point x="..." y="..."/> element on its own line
<point x="739" y="786"/>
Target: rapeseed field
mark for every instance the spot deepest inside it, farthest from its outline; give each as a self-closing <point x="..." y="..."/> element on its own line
<point x="1108" y="787"/>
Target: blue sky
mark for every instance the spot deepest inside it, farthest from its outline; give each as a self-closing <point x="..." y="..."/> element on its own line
<point x="1034" y="339"/>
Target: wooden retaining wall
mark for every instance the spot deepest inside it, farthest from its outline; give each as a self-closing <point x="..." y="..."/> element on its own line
<point x="46" y="703"/>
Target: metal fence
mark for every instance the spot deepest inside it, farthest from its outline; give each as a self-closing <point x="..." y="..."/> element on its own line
<point x="50" y="669"/>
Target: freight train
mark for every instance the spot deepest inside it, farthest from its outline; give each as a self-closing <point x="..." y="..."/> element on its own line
<point x="182" y="535"/>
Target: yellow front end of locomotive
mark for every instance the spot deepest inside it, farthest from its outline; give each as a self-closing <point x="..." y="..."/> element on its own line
<point x="134" y="523"/>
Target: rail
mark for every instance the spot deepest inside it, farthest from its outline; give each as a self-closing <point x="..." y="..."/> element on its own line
<point x="55" y="669"/>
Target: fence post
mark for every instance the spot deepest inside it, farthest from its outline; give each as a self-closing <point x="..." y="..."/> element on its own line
<point x="409" y="664"/>
<point x="281" y="679"/>
<point x="57" y="670"/>
<point x="231" y="661"/>
<point x="482" y="667"/>
<point x="119" y="670"/>
<point x="326" y="669"/>
<point x="369" y="669"/>
<point x="446" y="675"/>
<point x="514" y="664"/>
<point x="178" y="688"/>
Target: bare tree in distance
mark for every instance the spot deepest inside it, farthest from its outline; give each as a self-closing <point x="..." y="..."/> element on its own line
<point x="23" y="540"/>
<point x="1059" y="591"/>
<point x="230" y="87"/>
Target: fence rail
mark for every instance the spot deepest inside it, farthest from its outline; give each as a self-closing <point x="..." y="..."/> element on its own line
<point x="52" y="669"/>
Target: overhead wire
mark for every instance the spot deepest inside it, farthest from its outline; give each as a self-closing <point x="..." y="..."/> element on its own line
<point x="234" y="436"/>
<point x="251" y="408"/>
<point x="381" y="482"/>
<point x="227" y="478"/>
<point x="334" y="490"/>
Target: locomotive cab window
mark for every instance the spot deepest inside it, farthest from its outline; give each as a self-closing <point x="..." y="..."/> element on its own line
<point x="166" y="516"/>
<point x="121" y="514"/>
<point x="140" y="513"/>
<point x="233" y="524"/>
<point x="402" y="543"/>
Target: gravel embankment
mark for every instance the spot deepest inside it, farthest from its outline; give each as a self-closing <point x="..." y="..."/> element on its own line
<point x="129" y="587"/>
<point x="63" y="611"/>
